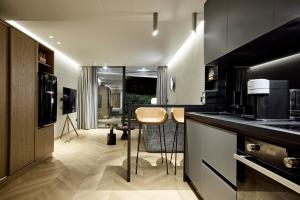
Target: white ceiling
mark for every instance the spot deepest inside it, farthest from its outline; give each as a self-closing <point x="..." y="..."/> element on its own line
<point x="115" y="32"/>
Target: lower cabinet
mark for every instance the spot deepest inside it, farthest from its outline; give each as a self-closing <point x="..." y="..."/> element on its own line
<point x="193" y="154"/>
<point x="214" y="188"/>
<point x="205" y="146"/>
<point x="44" y="142"/>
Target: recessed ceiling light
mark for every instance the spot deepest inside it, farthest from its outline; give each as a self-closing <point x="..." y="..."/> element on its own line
<point x="59" y="43"/>
<point x="51" y="37"/>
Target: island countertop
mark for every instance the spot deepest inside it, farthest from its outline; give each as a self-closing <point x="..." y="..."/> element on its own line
<point x="251" y="128"/>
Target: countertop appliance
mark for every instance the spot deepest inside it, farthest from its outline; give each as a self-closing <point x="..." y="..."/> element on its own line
<point x="267" y="171"/>
<point x="269" y="98"/>
<point x="295" y="104"/>
<point x="47" y="99"/>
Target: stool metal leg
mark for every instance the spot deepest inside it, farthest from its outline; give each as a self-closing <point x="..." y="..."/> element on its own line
<point x="161" y="151"/>
<point x="176" y="132"/>
<point x="165" y="149"/>
<point x="173" y="146"/>
<point x="138" y="148"/>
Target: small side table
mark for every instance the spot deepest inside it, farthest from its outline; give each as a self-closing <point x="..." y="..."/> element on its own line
<point x="111" y="136"/>
<point x="124" y="129"/>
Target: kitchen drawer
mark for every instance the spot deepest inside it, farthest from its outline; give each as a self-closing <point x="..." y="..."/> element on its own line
<point x="193" y="154"/>
<point x="218" y="147"/>
<point x="214" y="188"/>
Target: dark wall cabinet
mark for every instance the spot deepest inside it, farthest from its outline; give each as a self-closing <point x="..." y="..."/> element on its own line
<point x="248" y="20"/>
<point x="4" y="100"/>
<point x="215" y="15"/>
<point x="230" y="24"/>
<point x="286" y="10"/>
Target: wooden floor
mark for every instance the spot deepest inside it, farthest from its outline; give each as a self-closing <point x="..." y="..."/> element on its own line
<point x="86" y="168"/>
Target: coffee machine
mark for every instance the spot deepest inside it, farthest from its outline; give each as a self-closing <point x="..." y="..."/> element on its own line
<point x="269" y="99"/>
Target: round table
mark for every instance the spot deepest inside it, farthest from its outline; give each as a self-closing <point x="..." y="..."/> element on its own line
<point x="124" y="129"/>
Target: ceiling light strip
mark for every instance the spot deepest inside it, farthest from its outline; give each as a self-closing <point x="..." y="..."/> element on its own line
<point x="29" y="33"/>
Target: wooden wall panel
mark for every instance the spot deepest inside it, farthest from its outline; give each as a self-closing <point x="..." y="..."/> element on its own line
<point x="4" y="100"/>
<point x="23" y="100"/>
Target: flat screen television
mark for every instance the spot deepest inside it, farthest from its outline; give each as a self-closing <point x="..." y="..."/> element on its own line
<point x="69" y="100"/>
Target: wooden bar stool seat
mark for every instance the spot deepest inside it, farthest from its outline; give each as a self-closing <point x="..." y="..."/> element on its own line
<point x="178" y="118"/>
<point x="152" y="116"/>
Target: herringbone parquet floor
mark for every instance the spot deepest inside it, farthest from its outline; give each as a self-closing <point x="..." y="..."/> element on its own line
<point x="86" y="168"/>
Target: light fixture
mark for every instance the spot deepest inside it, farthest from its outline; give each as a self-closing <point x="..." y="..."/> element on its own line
<point x="105" y="66"/>
<point x="194" y="25"/>
<point x="51" y="37"/>
<point x="59" y="43"/>
<point x="155" y="24"/>
<point x="143" y="70"/>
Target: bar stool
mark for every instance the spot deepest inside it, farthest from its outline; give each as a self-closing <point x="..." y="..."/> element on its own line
<point x="178" y="118"/>
<point x="152" y="116"/>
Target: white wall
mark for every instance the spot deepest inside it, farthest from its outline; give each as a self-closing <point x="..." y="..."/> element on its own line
<point x="67" y="73"/>
<point x="187" y="66"/>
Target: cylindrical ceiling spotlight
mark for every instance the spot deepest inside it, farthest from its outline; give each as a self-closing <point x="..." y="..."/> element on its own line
<point x="155" y="24"/>
<point x="194" y="28"/>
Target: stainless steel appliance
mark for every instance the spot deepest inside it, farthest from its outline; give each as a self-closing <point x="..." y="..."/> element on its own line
<point x="267" y="171"/>
<point x="269" y="98"/>
<point x="295" y="104"/>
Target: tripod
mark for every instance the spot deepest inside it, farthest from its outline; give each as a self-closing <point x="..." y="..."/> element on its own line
<point x="68" y="121"/>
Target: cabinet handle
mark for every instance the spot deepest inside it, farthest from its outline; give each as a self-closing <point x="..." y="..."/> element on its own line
<point x="289" y="184"/>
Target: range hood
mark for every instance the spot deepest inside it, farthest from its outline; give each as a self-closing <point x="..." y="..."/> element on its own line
<point x="280" y="42"/>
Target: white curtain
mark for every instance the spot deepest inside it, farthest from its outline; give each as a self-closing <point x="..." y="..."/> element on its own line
<point x="87" y="98"/>
<point x="161" y="86"/>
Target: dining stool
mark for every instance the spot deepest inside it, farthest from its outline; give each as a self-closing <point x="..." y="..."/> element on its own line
<point x="178" y="118"/>
<point x="152" y="116"/>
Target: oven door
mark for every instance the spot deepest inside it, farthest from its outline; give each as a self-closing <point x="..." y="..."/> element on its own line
<point x="256" y="182"/>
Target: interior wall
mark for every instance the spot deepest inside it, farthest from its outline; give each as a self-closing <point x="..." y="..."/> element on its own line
<point x="187" y="66"/>
<point x="67" y="74"/>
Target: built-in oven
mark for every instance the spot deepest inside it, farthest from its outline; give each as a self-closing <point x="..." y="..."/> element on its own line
<point x="267" y="171"/>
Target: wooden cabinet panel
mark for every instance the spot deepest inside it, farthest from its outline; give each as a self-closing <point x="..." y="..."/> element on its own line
<point x="44" y="142"/>
<point x="23" y="100"/>
<point x="286" y="10"/>
<point x="248" y="20"/>
<point x="4" y="100"/>
<point x="215" y="29"/>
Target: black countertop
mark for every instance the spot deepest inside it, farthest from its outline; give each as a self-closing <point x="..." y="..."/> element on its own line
<point x="251" y="128"/>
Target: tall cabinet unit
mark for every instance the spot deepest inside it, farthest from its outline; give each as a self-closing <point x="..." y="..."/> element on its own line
<point x="23" y="57"/>
<point x="4" y="100"/>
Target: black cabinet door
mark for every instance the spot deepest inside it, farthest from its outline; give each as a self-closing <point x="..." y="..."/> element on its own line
<point x="286" y="10"/>
<point x="248" y="20"/>
<point x="215" y="29"/>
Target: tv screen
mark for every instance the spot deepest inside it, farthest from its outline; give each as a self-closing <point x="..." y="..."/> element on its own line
<point x="69" y="100"/>
<point x="141" y="85"/>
